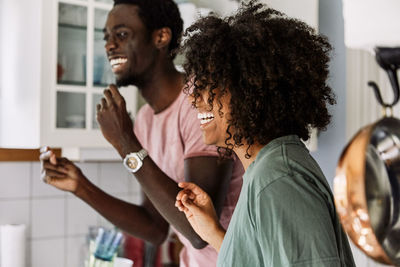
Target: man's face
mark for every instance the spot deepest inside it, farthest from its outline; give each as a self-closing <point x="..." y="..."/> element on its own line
<point x="129" y="46"/>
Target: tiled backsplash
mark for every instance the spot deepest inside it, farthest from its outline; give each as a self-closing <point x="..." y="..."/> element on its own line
<point x="57" y="221"/>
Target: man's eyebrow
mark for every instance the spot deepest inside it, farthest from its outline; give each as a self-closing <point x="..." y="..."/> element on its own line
<point x="116" y="27"/>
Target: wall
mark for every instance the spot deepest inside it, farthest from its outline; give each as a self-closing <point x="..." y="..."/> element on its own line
<point x="305" y="10"/>
<point x="332" y="141"/>
<point x="57" y="221"/>
<point x="362" y="106"/>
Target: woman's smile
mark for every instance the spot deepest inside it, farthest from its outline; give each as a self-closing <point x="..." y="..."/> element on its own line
<point x="205" y="118"/>
<point x="212" y="118"/>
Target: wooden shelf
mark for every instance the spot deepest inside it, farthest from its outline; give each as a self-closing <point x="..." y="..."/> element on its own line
<point x="11" y="154"/>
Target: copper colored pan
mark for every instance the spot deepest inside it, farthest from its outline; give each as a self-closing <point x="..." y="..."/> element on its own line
<point x="366" y="190"/>
<point x="367" y="182"/>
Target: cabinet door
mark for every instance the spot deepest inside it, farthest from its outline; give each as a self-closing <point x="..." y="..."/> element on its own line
<point x="71" y="68"/>
<point x="82" y="72"/>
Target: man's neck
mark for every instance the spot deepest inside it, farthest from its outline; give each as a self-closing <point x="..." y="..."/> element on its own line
<point x="163" y="88"/>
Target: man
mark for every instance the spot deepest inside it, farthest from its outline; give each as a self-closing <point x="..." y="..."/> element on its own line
<point x="141" y="37"/>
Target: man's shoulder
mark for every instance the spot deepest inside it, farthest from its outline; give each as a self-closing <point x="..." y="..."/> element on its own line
<point x="143" y="111"/>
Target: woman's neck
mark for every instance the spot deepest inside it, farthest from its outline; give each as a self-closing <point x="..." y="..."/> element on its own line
<point x="242" y="151"/>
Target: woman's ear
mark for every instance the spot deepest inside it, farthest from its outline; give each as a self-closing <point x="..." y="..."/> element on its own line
<point x="162" y="37"/>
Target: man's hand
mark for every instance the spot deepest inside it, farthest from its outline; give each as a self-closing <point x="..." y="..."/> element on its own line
<point x="114" y="120"/>
<point x="60" y="172"/>
<point x="200" y="212"/>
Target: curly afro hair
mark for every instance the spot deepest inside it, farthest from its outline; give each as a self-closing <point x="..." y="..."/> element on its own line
<point x="274" y="67"/>
<point x="157" y="14"/>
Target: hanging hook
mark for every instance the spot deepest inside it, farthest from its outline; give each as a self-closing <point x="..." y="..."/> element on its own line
<point x="389" y="60"/>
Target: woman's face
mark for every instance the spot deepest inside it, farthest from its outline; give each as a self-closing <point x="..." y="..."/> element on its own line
<point x="213" y="120"/>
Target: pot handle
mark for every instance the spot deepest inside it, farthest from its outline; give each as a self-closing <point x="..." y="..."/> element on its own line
<point x="389" y="59"/>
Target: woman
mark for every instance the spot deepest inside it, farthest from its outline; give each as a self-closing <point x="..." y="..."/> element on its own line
<point x="259" y="85"/>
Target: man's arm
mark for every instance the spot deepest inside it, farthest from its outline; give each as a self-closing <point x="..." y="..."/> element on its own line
<point x="141" y="221"/>
<point x="214" y="177"/>
<point x="117" y="128"/>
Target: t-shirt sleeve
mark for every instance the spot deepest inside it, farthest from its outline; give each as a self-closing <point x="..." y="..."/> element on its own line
<point x="192" y="137"/>
<point x="293" y="224"/>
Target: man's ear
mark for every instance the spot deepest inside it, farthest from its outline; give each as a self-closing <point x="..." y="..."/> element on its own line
<point x="162" y="37"/>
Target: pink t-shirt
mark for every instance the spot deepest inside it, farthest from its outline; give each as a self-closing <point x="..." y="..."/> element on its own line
<point x="172" y="136"/>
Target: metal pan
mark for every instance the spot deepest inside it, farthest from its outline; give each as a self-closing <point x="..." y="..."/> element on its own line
<point x="367" y="182"/>
<point x="366" y="190"/>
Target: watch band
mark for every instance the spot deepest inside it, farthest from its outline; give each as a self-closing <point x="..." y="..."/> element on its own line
<point x="142" y="154"/>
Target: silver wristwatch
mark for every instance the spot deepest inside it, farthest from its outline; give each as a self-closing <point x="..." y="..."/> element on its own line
<point x="134" y="161"/>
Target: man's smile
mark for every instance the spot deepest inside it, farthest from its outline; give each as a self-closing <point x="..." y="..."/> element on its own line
<point x="117" y="63"/>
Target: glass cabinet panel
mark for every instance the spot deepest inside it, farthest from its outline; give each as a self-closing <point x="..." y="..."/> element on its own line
<point x="102" y="74"/>
<point x="71" y="111"/>
<point x="105" y="1"/>
<point x="72" y="36"/>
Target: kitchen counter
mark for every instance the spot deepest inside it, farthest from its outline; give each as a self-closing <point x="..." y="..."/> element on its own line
<point x="12" y="154"/>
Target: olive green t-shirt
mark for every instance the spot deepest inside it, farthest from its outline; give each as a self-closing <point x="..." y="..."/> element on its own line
<point x="285" y="215"/>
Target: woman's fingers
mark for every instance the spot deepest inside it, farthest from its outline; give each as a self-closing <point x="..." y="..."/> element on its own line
<point x="187" y="192"/>
<point x="184" y="202"/>
<point x="189" y="204"/>
<point x="192" y="187"/>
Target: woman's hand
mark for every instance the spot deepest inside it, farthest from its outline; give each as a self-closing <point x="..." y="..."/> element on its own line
<point x="200" y="212"/>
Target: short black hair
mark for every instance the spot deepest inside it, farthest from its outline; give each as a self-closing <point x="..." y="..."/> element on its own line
<point x="157" y="14"/>
<point x="274" y="67"/>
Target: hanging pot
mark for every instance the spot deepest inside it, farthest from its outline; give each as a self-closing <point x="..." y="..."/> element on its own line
<point x="367" y="182"/>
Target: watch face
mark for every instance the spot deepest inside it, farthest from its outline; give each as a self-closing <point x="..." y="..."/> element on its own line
<point x="132" y="163"/>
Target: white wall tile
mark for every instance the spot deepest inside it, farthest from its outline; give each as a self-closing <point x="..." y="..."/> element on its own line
<point x="103" y="222"/>
<point x="79" y="216"/>
<point x="91" y="171"/>
<point x="363" y="260"/>
<point x="48" y="218"/>
<point x="136" y="198"/>
<point x="40" y="188"/>
<point x="114" y="178"/>
<point x="135" y="185"/>
<point x="124" y="196"/>
<point x="48" y="253"/>
<point x="15" y="179"/>
<point x="372" y="263"/>
<point x="14" y="212"/>
<point x="57" y="221"/>
<point x="77" y="251"/>
<point x="359" y="257"/>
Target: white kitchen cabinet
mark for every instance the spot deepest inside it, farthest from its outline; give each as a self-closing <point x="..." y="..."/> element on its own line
<point x="53" y="72"/>
<point x="53" y="69"/>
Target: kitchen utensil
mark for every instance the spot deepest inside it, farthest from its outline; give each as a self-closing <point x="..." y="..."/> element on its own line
<point x="367" y="182"/>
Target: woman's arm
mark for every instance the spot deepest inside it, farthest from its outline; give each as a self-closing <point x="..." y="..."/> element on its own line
<point x="199" y="210"/>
